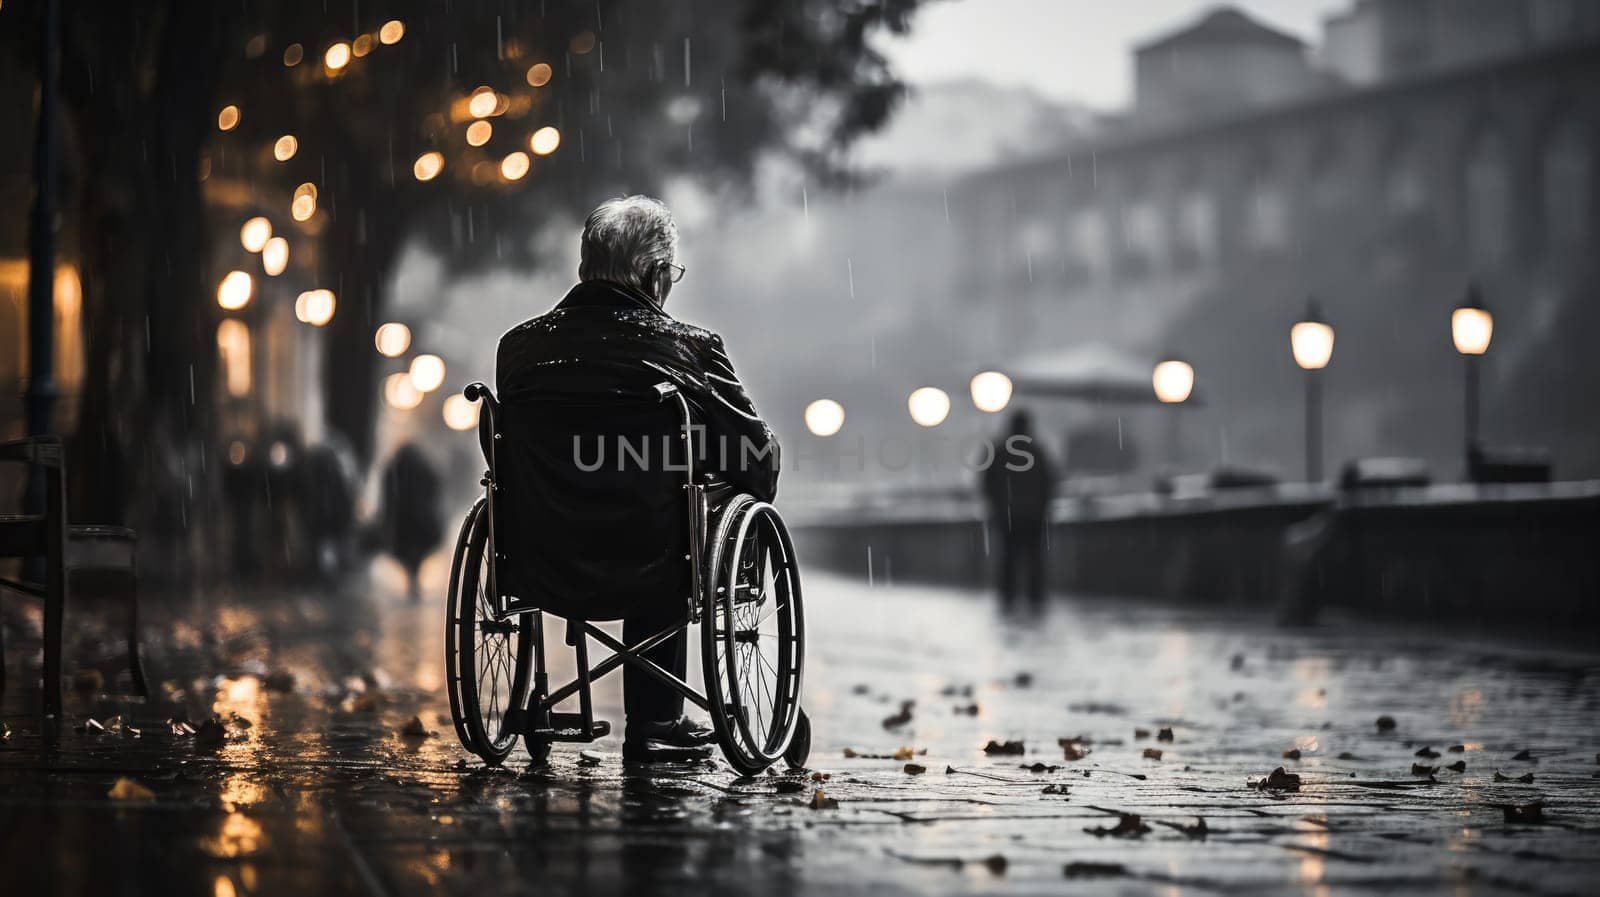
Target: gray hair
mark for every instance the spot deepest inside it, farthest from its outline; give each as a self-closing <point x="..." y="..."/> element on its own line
<point x="627" y="240"/>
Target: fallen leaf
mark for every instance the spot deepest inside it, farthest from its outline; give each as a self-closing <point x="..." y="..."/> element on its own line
<point x="1022" y="680"/>
<point x="1458" y="766"/>
<point x="1346" y="755"/>
<point x="995" y="748"/>
<point x="415" y="729"/>
<point x="906" y="752"/>
<point x="129" y="790"/>
<point x="1527" y="813"/>
<point x="790" y="786"/>
<point x="821" y="776"/>
<point x="1074" y="751"/>
<point x="1129" y="825"/>
<point x="1198" y="830"/>
<point x="1039" y="767"/>
<point x="899" y="719"/>
<point x="1456" y="748"/>
<point x="821" y="801"/>
<point x="211" y="733"/>
<point x="1165" y="734"/>
<point x="915" y="769"/>
<point x="1278" y="780"/>
<point x="1141" y="733"/>
<point x="850" y="753"/>
<point x="589" y="758"/>
<point x="996" y="864"/>
<point x="1427" y="753"/>
<point x="1053" y="788"/>
<point x="1152" y="753"/>
<point x="860" y="688"/>
<point x="1291" y="754"/>
<point x="1386" y="723"/>
<point x="1524" y="779"/>
<point x="1526" y="755"/>
<point x="1093" y="870"/>
<point x="968" y="710"/>
<point x="1417" y="769"/>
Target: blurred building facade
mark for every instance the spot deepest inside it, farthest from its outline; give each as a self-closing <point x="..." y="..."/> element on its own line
<point x="1427" y="146"/>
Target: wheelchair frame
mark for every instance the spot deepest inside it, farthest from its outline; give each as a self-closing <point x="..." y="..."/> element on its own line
<point x="535" y="718"/>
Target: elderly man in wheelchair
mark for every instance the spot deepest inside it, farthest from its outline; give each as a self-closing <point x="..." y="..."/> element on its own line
<point x="629" y="477"/>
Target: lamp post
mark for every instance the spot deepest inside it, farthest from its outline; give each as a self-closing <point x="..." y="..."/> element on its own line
<point x="1471" y="329"/>
<point x="1311" y="341"/>
<point x="1173" y="381"/>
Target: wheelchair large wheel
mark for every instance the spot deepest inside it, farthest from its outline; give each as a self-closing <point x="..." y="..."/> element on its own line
<point x="487" y="661"/>
<point x="752" y="631"/>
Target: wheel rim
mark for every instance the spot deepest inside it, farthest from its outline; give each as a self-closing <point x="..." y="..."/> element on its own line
<point x="491" y="655"/>
<point x="755" y="639"/>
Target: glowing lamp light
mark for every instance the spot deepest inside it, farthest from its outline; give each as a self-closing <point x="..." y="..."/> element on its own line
<point x="275" y="256"/>
<point x="514" y="166"/>
<point x="233" y="293"/>
<point x="315" y="307"/>
<point x="255" y="233"/>
<point x="824" y="417"/>
<point x="460" y="413"/>
<point x="483" y="102"/>
<point x="392" y="339"/>
<point x="285" y="148"/>
<point x="544" y="141"/>
<point x="428" y="166"/>
<point x="539" y="74"/>
<point x="391" y="32"/>
<point x="1471" y="325"/>
<point x="228" y="118"/>
<point x="479" y="132"/>
<point x="400" y="392"/>
<point x="991" y="391"/>
<point x="929" y="406"/>
<point x="361" y="46"/>
<point x="292" y="55"/>
<point x="337" y="56"/>
<point x="1311" y="340"/>
<point x="1173" y="381"/>
<point x="427" y="372"/>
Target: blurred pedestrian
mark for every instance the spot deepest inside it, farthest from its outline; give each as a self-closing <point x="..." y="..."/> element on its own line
<point x="1017" y="487"/>
<point x="412" y="523"/>
<point x="327" y="507"/>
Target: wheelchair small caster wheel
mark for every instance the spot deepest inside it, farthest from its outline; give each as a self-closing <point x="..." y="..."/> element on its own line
<point x="799" y="750"/>
<point x="538" y="753"/>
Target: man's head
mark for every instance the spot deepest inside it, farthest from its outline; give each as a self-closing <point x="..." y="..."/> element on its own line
<point x="632" y="240"/>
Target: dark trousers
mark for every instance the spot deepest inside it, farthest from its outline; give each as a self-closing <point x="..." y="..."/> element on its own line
<point x="644" y="698"/>
<point x="1022" y="565"/>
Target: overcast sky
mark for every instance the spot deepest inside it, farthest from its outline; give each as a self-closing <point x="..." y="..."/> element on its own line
<point x="1073" y="50"/>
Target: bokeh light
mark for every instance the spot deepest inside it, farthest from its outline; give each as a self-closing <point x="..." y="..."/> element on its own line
<point x="460" y="413"/>
<point x="991" y="391"/>
<point x="1173" y="381"/>
<point x="391" y="32"/>
<point x="233" y="293"/>
<point x="255" y="233"/>
<point x="285" y="148"/>
<point x="479" y="132"/>
<point x="228" y="118"/>
<point x="427" y="372"/>
<point x="824" y="417"/>
<point x="545" y="140"/>
<point x="514" y="166"/>
<point x="275" y="256"/>
<point x="392" y="339"/>
<point x="428" y="166"/>
<point x="539" y="74"/>
<point x="929" y="406"/>
<point x="293" y="54"/>
<point x="337" y="56"/>
<point x="315" y="307"/>
<point x="400" y="392"/>
<point x="483" y="102"/>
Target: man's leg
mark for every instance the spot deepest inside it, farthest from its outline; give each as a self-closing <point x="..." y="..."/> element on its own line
<point x="644" y="698"/>
<point x="1008" y="568"/>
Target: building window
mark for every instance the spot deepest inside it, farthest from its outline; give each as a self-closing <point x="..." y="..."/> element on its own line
<point x="1195" y="241"/>
<point x="1567" y="186"/>
<point x="1488" y="200"/>
<point x="1087" y="251"/>
<point x="1266" y="214"/>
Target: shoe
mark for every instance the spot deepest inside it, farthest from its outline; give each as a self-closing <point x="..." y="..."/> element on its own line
<point x="678" y="741"/>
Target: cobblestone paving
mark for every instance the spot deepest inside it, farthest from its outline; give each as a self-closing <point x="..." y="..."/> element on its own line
<point x="315" y="790"/>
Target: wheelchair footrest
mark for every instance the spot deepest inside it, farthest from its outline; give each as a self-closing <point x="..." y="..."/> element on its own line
<point x="569" y="727"/>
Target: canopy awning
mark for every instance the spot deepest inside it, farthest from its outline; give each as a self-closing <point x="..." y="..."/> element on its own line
<point x="1091" y="372"/>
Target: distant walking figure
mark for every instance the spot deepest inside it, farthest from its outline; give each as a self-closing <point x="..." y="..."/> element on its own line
<point x="412" y="523"/>
<point x="1017" y="488"/>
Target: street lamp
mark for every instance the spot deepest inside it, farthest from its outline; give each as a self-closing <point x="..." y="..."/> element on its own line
<point x="1173" y="381"/>
<point x="1471" y="328"/>
<point x="991" y="391"/>
<point x="929" y="406"/>
<point x="824" y="417"/>
<point x="1311" y="340"/>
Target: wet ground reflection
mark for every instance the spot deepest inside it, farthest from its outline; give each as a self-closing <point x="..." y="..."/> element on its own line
<point x="312" y="787"/>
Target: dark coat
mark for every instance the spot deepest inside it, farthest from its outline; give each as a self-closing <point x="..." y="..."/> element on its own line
<point x="1019" y="499"/>
<point x="572" y="384"/>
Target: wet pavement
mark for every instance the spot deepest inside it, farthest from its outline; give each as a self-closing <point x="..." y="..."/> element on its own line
<point x="313" y="789"/>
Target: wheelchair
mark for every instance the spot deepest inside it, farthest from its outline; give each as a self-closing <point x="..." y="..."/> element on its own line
<point x="744" y="595"/>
